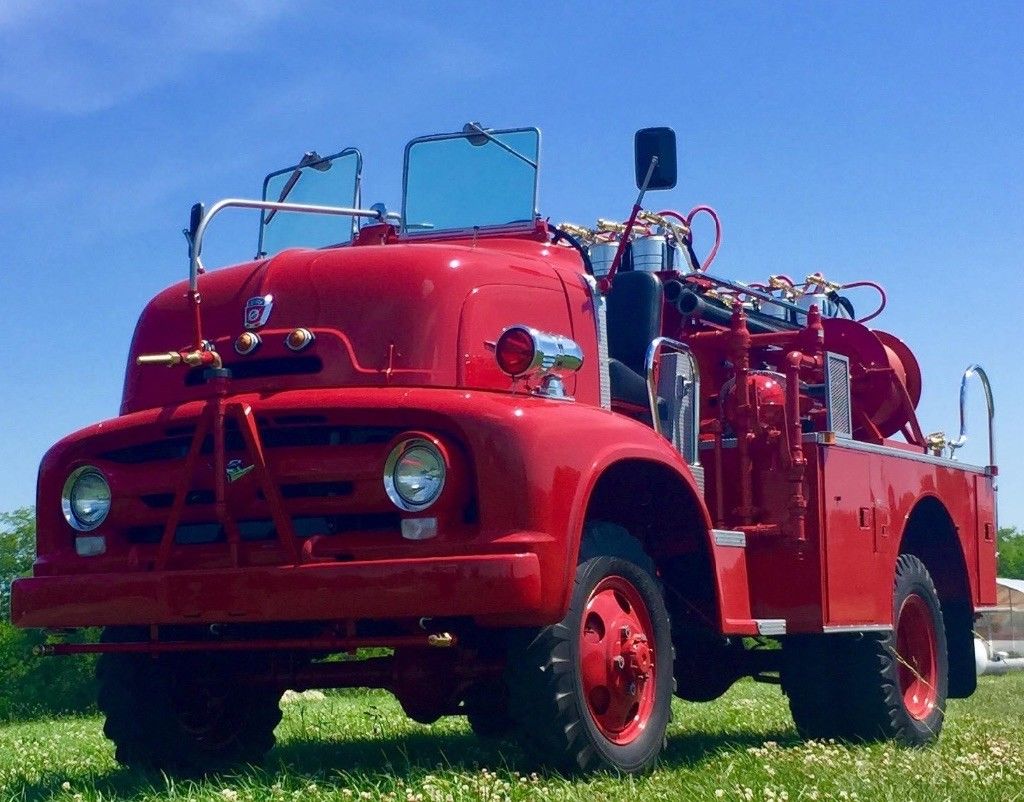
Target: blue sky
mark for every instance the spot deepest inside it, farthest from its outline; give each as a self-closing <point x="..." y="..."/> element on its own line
<point x="867" y="140"/>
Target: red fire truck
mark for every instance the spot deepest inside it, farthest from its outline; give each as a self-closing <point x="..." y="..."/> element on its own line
<point x="556" y="473"/>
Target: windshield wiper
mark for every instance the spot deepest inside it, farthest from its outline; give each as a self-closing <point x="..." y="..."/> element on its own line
<point x="475" y="131"/>
<point x="309" y="159"/>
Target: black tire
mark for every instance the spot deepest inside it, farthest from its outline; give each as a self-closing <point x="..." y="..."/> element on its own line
<point x="185" y="713"/>
<point x="487" y="711"/>
<point x="545" y="679"/>
<point x="853" y="686"/>
<point x="880" y="673"/>
<point x="812" y="679"/>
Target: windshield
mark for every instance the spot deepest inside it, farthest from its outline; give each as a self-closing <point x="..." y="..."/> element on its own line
<point x="327" y="181"/>
<point x="463" y="181"/>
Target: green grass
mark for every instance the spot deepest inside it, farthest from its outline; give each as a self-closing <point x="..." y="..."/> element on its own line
<point x="360" y="746"/>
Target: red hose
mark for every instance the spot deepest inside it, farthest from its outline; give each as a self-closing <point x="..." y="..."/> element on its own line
<point x="873" y="286"/>
<point x="718" y="232"/>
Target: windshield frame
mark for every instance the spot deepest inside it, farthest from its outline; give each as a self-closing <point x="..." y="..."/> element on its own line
<point x="471" y="230"/>
<point x="355" y="202"/>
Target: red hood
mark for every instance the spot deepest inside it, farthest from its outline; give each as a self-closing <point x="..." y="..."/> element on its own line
<point x="388" y="314"/>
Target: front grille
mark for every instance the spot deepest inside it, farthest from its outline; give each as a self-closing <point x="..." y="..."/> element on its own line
<point x="176" y="447"/>
<point x="256" y="530"/>
<point x="304" y="490"/>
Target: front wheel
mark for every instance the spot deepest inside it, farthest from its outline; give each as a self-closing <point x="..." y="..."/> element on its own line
<point x="185" y="713"/>
<point x="594" y="691"/>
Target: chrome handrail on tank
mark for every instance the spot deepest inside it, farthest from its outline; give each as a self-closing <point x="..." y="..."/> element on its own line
<point x="653" y="349"/>
<point x="196" y="238"/>
<point x="979" y="371"/>
<point x="752" y="292"/>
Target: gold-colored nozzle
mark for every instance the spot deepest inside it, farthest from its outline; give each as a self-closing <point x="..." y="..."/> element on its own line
<point x="169" y="359"/>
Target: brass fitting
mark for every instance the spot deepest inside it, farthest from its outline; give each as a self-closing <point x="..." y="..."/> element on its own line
<point x="192" y="358"/>
<point x="611" y="226"/>
<point x="936" y="443"/>
<point x="820" y="281"/>
<point x="581" y="233"/>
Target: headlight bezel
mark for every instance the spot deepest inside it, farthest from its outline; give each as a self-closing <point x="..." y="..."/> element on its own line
<point x="68" y="503"/>
<point x="401" y="449"/>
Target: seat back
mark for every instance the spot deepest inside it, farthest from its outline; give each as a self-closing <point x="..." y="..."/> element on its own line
<point x="634" y="317"/>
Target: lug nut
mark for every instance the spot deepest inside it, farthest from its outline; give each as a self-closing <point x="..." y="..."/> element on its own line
<point x="619" y="662"/>
<point x="624" y="632"/>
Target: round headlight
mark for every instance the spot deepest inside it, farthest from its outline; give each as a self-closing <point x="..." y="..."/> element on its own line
<point x="86" y="498"/>
<point x="414" y="474"/>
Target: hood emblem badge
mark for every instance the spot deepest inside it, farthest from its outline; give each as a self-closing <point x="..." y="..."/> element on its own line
<point x="257" y="311"/>
<point x="236" y="471"/>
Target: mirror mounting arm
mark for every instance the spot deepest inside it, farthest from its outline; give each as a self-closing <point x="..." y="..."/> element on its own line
<point x="605" y="284"/>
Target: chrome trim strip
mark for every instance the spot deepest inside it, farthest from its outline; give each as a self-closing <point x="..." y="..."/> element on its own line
<point x="771" y="626"/>
<point x="853" y="628"/>
<point x="652" y="394"/>
<point x="889" y="451"/>
<point x="727" y="537"/>
<point x="601" y="323"/>
<point x="196" y="246"/>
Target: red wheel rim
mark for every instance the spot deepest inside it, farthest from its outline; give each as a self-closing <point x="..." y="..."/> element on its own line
<point x="916" y="655"/>
<point x="617" y="660"/>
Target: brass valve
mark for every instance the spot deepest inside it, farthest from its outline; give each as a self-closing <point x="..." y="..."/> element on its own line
<point x="820" y="281"/>
<point x="936" y="442"/>
<point x="581" y="233"/>
<point x="611" y="226"/>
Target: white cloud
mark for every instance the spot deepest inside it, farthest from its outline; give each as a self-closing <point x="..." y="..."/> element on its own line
<point x="78" y="58"/>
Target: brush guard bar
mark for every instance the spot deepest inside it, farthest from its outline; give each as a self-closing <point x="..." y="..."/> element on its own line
<point x="213" y="421"/>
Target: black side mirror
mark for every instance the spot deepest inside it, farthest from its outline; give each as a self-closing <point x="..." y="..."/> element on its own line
<point x="651" y="143"/>
<point x="194" y="219"/>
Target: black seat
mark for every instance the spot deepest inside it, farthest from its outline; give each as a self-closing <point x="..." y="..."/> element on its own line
<point x="634" y="320"/>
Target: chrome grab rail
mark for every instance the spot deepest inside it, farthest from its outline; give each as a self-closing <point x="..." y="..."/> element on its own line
<point x="196" y="240"/>
<point x="652" y="394"/>
<point x="979" y="371"/>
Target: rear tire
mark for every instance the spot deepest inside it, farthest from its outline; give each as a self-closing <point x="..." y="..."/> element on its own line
<point x="594" y="690"/>
<point x="875" y="686"/>
<point x="900" y="679"/>
<point x="184" y="713"/>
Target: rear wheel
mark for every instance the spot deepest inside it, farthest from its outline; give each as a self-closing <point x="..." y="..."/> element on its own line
<point x="890" y="685"/>
<point x="185" y="713"/>
<point x="594" y="691"/>
<point x="901" y="679"/>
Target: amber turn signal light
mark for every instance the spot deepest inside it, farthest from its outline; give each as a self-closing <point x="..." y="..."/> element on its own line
<point x="299" y="339"/>
<point x="247" y="342"/>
